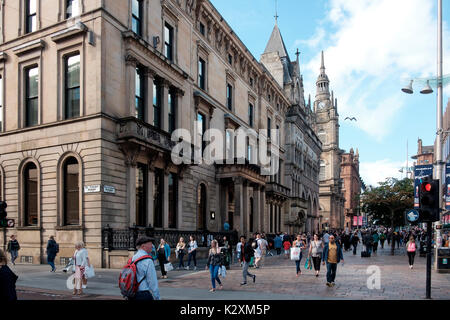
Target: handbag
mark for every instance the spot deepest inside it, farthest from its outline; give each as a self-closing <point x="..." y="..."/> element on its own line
<point x="168" y="266"/>
<point x="89" y="272"/>
<point x="295" y="253"/>
<point x="308" y="264"/>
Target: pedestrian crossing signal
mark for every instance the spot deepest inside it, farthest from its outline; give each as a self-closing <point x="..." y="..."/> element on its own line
<point x="429" y="200"/>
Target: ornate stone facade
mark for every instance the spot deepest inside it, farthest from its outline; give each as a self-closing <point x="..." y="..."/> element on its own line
<point x="352" y="185"/>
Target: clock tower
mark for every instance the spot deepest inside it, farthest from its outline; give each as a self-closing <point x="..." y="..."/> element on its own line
<point x="327" y="125"/>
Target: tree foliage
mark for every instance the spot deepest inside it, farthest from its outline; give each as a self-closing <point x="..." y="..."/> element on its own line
<point x="388" y="202"/>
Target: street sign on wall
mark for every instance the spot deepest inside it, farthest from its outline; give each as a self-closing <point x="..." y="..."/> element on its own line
<point x="420" y="172"/>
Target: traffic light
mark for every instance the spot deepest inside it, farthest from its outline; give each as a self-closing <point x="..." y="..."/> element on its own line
<point x="429" y="200"/>
<point x="3" y="214"/>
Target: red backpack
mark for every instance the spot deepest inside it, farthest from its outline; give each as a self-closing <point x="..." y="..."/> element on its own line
<point x="128" y="283"/>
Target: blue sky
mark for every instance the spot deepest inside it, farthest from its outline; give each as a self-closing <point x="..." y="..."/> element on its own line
<point x="371" y="48"/>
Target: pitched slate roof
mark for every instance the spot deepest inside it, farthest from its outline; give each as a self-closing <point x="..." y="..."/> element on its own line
<point x="276" y="43"/>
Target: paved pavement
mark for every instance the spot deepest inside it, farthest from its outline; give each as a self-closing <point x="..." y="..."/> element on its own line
<point x="275" y="281"/>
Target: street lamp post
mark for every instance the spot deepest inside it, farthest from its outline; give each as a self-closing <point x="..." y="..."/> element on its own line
<point x="439" y="164"/>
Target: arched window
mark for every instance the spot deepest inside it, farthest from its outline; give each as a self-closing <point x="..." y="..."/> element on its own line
<point x="71" y="192"/>
<point x="30" y="183"/>
<point x="201" y="207"/>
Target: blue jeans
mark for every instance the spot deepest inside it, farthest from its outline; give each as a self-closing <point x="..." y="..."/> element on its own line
<point x="192" y="255"/>
<point x="51" y="261"/>
<point x="143" y="296"/>
<point x="331" y="272"/>
<point x="214" y="271"/>
<point x="297" y="263"/>
<point x="181" y="256"/>
<point x="14" y="255"/>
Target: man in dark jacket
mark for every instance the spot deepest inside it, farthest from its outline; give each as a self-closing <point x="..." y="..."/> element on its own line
<point x="52" y="250"/>
<point x="7" y="280"/>
<point x="332" y="255"/>
<point x="13" y="248"/>
<point x="247" y="253"/>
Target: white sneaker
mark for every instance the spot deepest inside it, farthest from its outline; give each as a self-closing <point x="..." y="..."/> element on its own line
<point x="195" y="268"/>
<point x="186" y="268"/>
<point x="83" y="286"/>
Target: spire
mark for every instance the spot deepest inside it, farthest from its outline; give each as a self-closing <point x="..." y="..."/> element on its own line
<point x="309" y="100"/>
<point x="276" y="43"/>
<point x="322" y="66"/>
<point x="276" y="12"/>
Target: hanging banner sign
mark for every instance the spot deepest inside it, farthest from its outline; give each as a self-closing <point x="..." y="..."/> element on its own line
<point x="447" y="183"/>
<point x="360" y="222"/>
<point x="420" y="172"/>
<point x="355" y="220"/>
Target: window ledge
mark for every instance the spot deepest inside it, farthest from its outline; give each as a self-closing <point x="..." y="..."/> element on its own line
<point x="78" y="28"/>
<point x="29" y="46"/>
<point x="62" y="228"/>
<point x="30" y="228"/>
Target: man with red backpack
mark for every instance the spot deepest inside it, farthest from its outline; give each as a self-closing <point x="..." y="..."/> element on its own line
<point x="138" y="279"/>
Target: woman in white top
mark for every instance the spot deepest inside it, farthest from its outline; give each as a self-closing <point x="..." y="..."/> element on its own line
<point x="315" y="251"/>
<point x="80" y="262"/>
<point x="192" y="252"/>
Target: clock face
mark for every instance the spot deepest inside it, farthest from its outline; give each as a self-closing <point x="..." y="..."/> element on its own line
<point x="322" y="105"/>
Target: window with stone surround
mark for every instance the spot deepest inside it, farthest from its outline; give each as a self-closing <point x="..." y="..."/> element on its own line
<point x="31" y="16"/>
<point x="172" y="107"/>
<point x="229" y="97"/>
<point x="141" y="194"/>
<point x="139" y="93"/>
<point x="168" y="41"/>
<point x="158" y="198"/>
<point x="72" y="8"/>
<point x="71" y="192"/>
<point x="31" y="96"/>
<point x="137" y="10"/>
<point x="202" y="73"/>
<point x="72" y="86"/>
<point x="157" y="96"/>
<point x="30" y="192"/>
<point x="173" y="200"/>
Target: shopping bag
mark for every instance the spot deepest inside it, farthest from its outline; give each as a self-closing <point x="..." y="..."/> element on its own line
<point x="295" y="253"/>
<point x="89" y="272"/>
<point x="307" y="263"/>
<point x="168" y="267"/>
<point x="223" y="271"/>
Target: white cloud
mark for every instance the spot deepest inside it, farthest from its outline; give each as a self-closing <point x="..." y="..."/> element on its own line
<point x="312" y="42"/>
<point x="374" y="172"/>
<point x="373" y="46"/>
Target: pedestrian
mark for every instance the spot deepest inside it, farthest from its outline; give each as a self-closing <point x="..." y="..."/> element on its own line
<point x="332" y="255"/>
<point x="258" y="250"/>
<point x="354" y="240"/>
<point x="226" y="226"/>
<point x="277" y="243"/>
<point x="239" y="249"/>
<point x="247" y="253"/>
<point x="286" y="246"/>
<point x="145" y="270"/>
<point x="163" y="256"/>
<point x="13" y="248"/>
<point x="315" y="252"/>
<point x="382" y="239"/>
<point x="52" y="250"/>
<point x="397" y="239"/>
<point x="226" y="250"/>
<point x="81" y="261"/>
<point x="325" y="238"/>
<point x="299" y="243"/>
<point x="180" y="251"/>
<point x="7" y="280"/>
<point x="264" y="246"/>
<point x="368" y="239"/>
<point x="192" y="252"/>
<point x="411" y="251"/>
<point x="375" y="238"/>
<point x="215" y="261"/>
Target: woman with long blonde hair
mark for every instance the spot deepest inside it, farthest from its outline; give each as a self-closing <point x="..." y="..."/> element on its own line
<point x="215" y="261"/>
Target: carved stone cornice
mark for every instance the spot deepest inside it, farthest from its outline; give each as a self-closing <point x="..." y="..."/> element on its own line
<point x="130" y="60"/>
<point x="131" y="152"/>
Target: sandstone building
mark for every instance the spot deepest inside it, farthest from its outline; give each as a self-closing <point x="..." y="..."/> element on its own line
<point x="90" y="95"/>
<point x="352" y="185"/>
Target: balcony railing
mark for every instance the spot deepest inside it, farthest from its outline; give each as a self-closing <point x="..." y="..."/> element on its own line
<point x="278" y="189"/>
<point x="125" y="239"/>
<point x="131" y="128"/>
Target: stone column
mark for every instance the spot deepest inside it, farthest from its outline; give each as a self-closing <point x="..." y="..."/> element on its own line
<point x="150" y="195"/>
<point x="180" y="203"/>
<point x="179" y="108"/>
<point x="244" y="211"/>
<point x="262" y="210"/>
<point x="165" y="105"/>
<point x="238" y="203"/>
<point x="166" y="199"/>
<point x="256" y="207"/>
<point x="131" y="64"/>
<point x="150" y="77"/>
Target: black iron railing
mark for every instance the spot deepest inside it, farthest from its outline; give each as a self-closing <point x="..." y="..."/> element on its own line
<point x="125" y="239"/>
